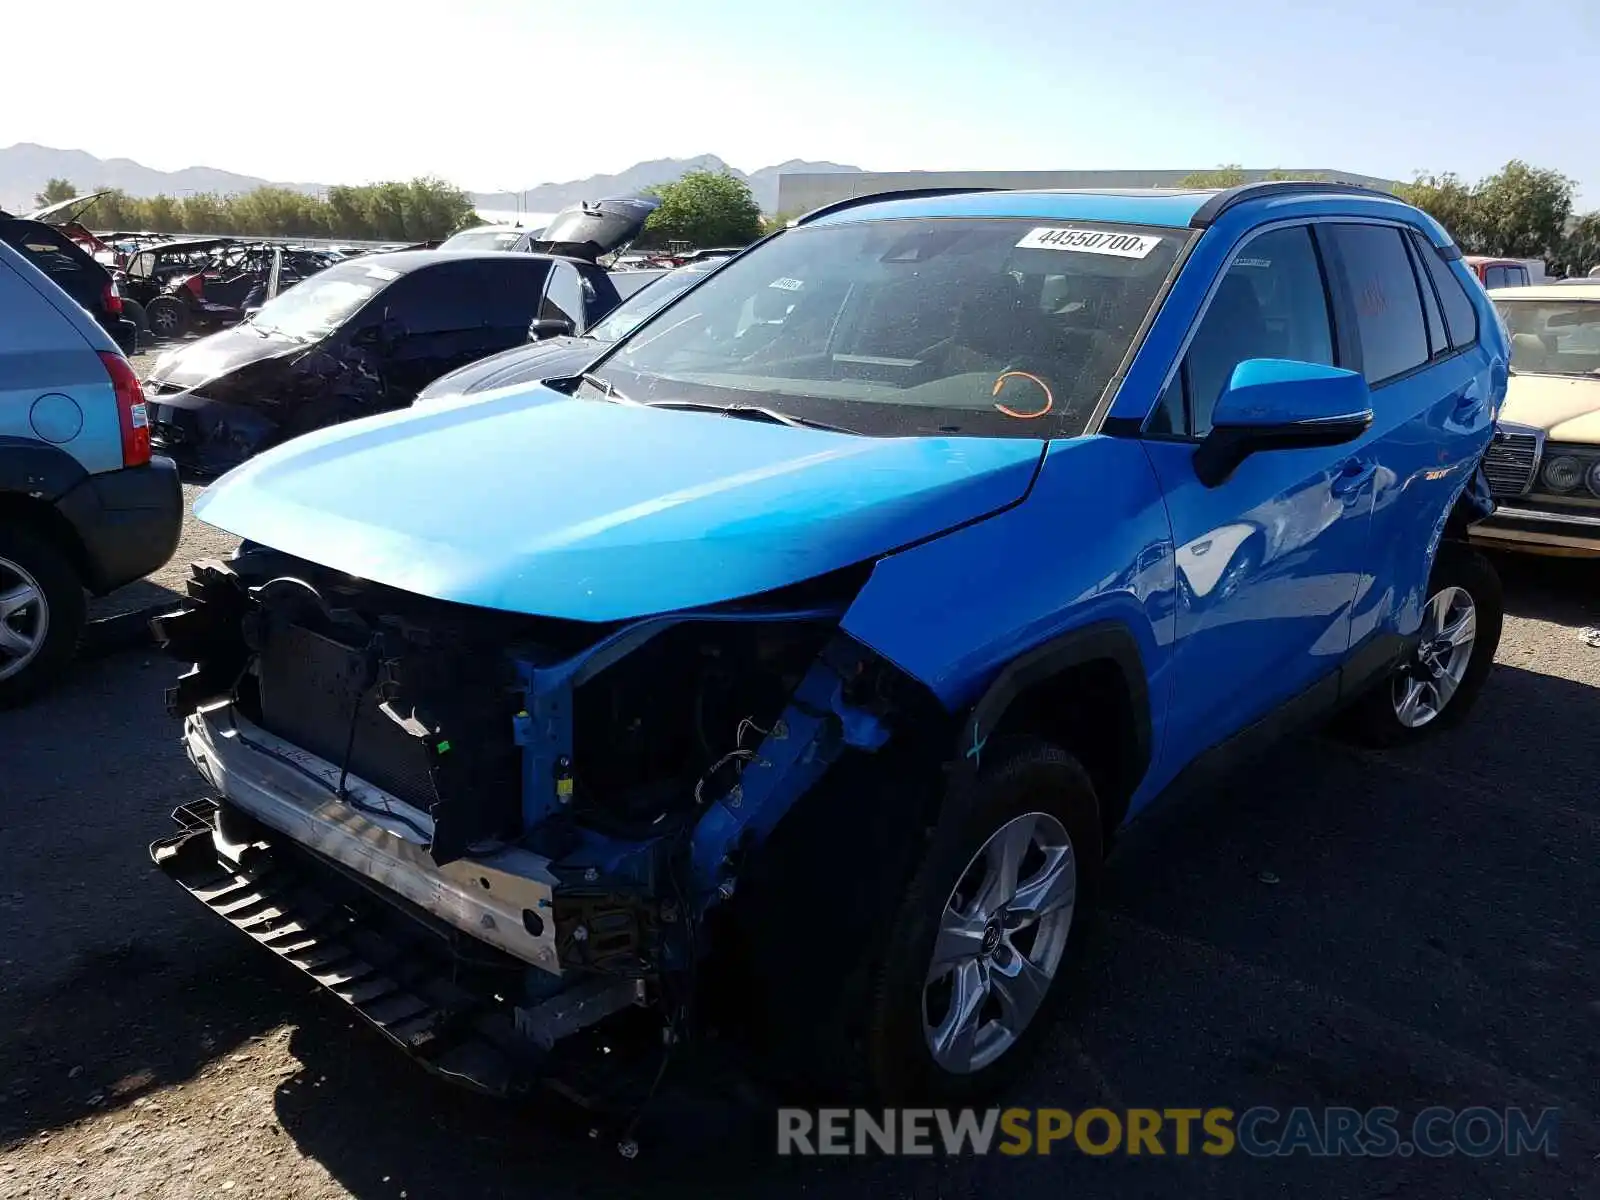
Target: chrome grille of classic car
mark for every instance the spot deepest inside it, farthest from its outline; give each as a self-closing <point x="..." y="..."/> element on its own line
<point x="1512" y="460"/>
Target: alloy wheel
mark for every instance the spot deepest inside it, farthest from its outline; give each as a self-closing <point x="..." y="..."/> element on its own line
<point x="1002" y="934"/>
<point x="1425" y="685"/>
<point x="24" y="618"/>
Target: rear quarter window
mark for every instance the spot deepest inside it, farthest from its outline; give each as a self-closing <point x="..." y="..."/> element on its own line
<point x="1460" y="317"/>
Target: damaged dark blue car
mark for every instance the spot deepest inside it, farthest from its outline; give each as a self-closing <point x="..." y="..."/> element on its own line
<point x="781" y="681"/>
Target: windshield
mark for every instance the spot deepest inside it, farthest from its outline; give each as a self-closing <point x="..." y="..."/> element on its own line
<point x="322" y="303"/>
<point x="968" y="326"/>
<point x="482" y="239"/>
<point x="644" y="303"/>
<point x="1553" y="337"/>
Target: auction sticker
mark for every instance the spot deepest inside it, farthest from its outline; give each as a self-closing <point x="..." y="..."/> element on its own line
<point x="1090" y="241"/>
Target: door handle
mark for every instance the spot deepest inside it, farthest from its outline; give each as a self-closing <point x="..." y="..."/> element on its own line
<point x="1354" y="475"/>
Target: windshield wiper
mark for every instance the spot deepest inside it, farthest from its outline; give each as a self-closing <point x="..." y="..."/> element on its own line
<point x="607" y="389"/>
<point x="750" y="412"/>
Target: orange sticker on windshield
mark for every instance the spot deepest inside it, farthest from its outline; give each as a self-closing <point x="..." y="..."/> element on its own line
<point x="1049" y="397"/>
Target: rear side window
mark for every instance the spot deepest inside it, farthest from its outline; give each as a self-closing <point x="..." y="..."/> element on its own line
<point x="1460" y="318"/>
<point x="1494" y="277"/>
<point x="1271" y="303"/>
<point x="453" y="297"/>
<point x="1388" y="304"/>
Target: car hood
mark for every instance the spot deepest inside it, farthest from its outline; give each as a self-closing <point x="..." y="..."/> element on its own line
<point x="553" y="358"/>
<point x="538" y="503"/>
<point x="1568" y="410"/>
<point x="197" y="363"/>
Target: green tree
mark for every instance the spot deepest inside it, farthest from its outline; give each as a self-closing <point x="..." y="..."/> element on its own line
<point x="1524" y="210"/>
<point x="1451" y="202"/>
<point x="117" y="210"/>
<point x="704" y="208"/>
<point x="55" y="191"/>
<point x="347" y="214"/>
<point x="162" y="214"/>
<point x="207" y="212"/>
<point x="1580" y="248"/>
<point x="1226" y="176"/>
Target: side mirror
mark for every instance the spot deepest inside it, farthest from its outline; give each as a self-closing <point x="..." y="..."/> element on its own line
<point x="543" y="327"/>
<point x="1280" y="404"/>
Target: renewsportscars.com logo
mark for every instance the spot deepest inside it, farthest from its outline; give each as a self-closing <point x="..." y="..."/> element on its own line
<point x="1261" y="1132"/>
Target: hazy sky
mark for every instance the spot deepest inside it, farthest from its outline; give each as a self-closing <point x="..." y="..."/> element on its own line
<point x="505" y="94"/>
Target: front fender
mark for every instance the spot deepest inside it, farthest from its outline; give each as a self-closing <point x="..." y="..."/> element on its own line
<point x="1089" y="545"/>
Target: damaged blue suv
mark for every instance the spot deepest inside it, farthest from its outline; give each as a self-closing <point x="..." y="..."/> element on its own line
<point x="786" y="676"/>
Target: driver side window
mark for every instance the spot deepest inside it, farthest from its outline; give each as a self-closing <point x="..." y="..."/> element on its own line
<point x="1271" y="303"/>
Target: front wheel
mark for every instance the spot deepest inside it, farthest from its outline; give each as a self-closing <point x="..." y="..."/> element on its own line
<point x="1437" y="685"/>
<point x="975" y="960"/>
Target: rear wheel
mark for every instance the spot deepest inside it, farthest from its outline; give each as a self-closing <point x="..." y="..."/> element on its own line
<point x="135" y="312"/>
<point x="41" y="613"/>
<point x="168" y="318"/>
<point x="1436" y="687"/>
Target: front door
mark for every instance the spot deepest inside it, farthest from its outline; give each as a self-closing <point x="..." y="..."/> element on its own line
<point x="1268" y="561"/>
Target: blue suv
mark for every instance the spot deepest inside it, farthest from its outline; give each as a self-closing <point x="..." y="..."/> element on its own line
<point x="789" y="672"/>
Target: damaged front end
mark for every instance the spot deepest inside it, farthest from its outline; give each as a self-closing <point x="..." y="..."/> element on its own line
<point x="496" y="836"/>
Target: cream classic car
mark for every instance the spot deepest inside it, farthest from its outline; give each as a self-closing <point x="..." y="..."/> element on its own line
<point x="1544" y="464"/>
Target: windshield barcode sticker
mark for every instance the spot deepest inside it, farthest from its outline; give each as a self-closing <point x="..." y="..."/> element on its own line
<point x="1090" y="241"/>
<point x="786" y="284"/>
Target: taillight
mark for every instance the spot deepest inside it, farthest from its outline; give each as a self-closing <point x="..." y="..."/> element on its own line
<point x="112" y="298"/>
<point x="131" y="412"/>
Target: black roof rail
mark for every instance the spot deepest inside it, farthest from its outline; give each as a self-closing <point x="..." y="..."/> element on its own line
<point x="1213" y="208"/>
<point x="897" y="194"/>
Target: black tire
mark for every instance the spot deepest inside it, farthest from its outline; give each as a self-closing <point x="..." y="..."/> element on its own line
<point x="167" y="317"/>
<point x="1023" y="776"/>
<point x="63" y="605"/>
<point x="135" y="312"/>
<point x="1373" y="720"/>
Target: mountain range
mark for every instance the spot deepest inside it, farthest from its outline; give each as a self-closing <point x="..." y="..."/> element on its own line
<point x="25" y="168"/>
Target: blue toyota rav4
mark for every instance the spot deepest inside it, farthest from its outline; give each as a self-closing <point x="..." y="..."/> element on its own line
<point x="788" y="673"/>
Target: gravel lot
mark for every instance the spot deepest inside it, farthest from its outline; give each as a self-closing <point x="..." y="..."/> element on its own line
<point x="1336" y="928"/>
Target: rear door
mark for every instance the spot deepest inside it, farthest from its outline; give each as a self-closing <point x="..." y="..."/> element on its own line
<point x="1432" y="385"/>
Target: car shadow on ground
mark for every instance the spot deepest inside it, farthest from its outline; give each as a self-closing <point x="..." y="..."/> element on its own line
<point x="1541" y="588"/>
<point x="121" y="620"/>
<point x="152" y="1010"/>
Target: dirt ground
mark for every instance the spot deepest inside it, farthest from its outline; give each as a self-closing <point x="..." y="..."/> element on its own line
<point x="1336" y="927"/>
